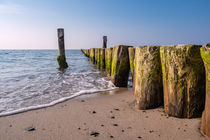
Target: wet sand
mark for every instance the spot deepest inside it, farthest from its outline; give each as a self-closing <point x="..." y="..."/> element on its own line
<point x="98" y="116"/>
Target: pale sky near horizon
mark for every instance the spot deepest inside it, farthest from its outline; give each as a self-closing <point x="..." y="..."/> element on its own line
<point x="32" y="24"/>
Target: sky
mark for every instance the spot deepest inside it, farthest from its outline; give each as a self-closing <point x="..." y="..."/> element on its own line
<point x="32" y="24"/>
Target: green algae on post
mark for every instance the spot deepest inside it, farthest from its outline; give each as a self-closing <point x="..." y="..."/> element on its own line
<point x="183" y="80"/>
<point x="92" y="55"/>
<point x="131" y="52"/>
<point x="96" y="56"/>
<point x="205" y="54"/>
<point x="148" y="90"/>
<point x="108" y="60"/>
<point x="102" y="59"/>
<point x="120" y="66"/>
<point x="88" y="52"/>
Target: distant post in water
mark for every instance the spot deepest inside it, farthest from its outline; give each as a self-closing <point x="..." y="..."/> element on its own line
<point x="61" y="57"/>
<point x="104" y="42"/>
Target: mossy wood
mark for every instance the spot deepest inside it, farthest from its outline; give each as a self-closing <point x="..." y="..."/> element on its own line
<point x="102" y="59"/>
<point x="97" y="56"/>
<point x="148" y="90"/>
<point x="205" y="54"/>
<point x="88" y="52"/>
<point x="120" y="66"/>
<point x="183" y="80"/>
<point x="131" y="52"/>
<point x="108" y="60"/>
<point x="61" y="58"/>
<point x="92" y="55"/>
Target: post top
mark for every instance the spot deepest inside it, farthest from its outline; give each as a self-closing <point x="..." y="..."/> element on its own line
<point x="60" y="32"/>
<point x="105" y="37"/>
<point x="60" y="28"/>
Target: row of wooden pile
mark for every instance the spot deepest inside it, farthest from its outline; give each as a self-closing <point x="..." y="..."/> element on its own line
<point x="174" y="76"/>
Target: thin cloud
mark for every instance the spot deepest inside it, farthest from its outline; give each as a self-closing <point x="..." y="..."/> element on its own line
<point x="10" y="8"/>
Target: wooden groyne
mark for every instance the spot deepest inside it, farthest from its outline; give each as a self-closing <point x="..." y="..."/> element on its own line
<point x="174" y="76"/>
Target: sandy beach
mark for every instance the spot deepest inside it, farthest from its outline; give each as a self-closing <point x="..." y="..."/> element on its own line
<point x="108" y="115"/>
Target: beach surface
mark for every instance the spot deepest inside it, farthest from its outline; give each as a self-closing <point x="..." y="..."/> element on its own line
<point x="102" y="116"/>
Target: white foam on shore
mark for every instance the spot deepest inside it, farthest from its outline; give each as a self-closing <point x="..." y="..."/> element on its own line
<point x="54" y="102"/>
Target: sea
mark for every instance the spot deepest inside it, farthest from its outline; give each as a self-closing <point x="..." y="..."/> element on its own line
<point x="30" y="79"/>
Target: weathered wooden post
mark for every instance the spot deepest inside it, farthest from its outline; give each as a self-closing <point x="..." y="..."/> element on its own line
<point x="183" y="80"/>
<point x="96" y="55"/>
<point x="120" y="66"/>
<point x="61" y="57"/>
<point x="148" y="90"/>
<point x="205" y="54"/>
<point x="131" y="52"/>
<point x="92" y="55"/>
<point x="104" y="42"/>
<point x="88" y="52"/>
<point x="102" y="59"/>
<point x="108" y="60"/>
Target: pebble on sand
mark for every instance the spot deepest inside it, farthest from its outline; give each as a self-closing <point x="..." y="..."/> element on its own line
<point x="95" y="134"/>
<point x="31" y="129"/>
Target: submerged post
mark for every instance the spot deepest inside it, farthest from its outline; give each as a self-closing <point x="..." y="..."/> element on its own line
<point x="104" y="42"/>
<point x="61" y="58"/>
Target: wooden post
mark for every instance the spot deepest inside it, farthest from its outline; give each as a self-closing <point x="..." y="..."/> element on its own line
<point x="108" y="60"/>
<point x="120" y="66"/>
<point x="104" y="42"/>
<point x="61" y="58"/>
<point x="205" y="53"/>
<point x="183" y="80"/>
<point x="92" y="55"/>
<point x="97" y="56"/>
<point x="102" y="59"/>
<point x="148" y="79"/>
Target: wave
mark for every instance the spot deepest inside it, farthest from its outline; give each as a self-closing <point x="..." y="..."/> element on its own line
<point x="82" y="92"/>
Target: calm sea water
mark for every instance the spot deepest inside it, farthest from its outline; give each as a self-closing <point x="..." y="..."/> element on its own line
<point x="29" y="79"/>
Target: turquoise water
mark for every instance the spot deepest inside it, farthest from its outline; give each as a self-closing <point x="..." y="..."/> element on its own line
<point x="29" y="79"/>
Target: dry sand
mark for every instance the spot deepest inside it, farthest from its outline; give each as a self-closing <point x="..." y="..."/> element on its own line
<point x="110" y="114"/>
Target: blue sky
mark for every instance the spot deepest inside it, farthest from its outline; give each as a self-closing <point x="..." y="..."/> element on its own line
<point x="32" y="24"/>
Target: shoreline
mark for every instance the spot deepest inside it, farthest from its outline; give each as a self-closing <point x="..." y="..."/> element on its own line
<point x="111" y="114"/>
<point x="55" y="102"/>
